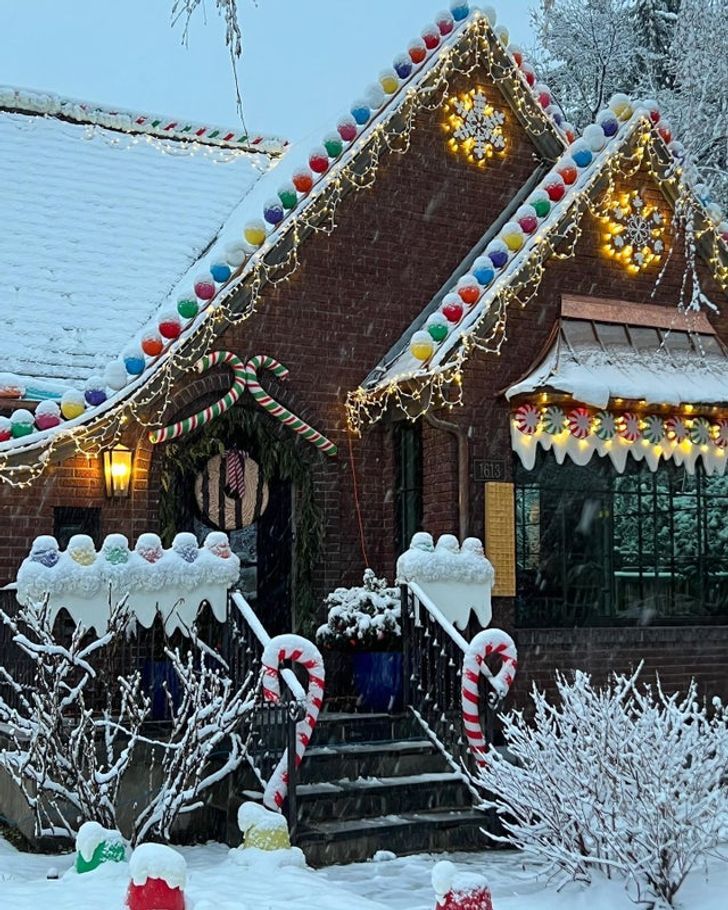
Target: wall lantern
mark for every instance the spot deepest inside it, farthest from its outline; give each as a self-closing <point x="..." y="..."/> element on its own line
<point x="117" y="472"/>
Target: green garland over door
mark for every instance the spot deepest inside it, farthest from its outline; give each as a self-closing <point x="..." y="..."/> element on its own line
<point x="248" y="429"/>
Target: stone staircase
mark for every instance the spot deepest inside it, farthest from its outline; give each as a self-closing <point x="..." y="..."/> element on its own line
<point x="375" y="782"/>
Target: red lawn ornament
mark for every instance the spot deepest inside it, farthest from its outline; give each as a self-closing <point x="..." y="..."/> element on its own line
<point x="459" y="890"/>
<point x="154" y="894"/>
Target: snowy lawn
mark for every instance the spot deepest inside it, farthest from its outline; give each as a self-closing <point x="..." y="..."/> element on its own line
<point x="395" y="884"/>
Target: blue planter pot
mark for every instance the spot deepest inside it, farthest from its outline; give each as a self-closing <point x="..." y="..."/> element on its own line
<point x="378" y="679"/>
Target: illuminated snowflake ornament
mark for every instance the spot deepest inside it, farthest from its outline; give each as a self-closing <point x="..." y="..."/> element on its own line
<point x="475" y="127"/>
<point x="634" y="231"/>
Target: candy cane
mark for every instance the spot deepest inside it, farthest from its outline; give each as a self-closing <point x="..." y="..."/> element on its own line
<point x="278" y="411"/>
<point x="485" y="643"/>
<point x="305" y="653"/>
<point x="182" y="427"/>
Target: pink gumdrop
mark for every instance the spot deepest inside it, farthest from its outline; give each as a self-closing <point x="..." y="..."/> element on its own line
<point x="205" y="288"/>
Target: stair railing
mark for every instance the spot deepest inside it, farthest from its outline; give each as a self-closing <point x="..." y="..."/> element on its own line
<point x="433" y="665"/>
<point x="273" y="729"/>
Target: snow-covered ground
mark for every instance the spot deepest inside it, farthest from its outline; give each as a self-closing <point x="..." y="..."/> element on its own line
<point x="215" y="881"/>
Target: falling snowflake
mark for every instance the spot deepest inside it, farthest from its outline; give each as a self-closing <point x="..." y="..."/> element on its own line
<point x="634" y="230"/>
<point x="475" y="126"/>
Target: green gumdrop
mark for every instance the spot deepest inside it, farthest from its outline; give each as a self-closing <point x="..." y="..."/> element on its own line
<point x="187" y="308"/>
<point x="104" y="853"/>
<point x="334" y="147"/>
<point x="542" y="206"/>
<point x="437" y="332"/>
<point x="288" y="198"/>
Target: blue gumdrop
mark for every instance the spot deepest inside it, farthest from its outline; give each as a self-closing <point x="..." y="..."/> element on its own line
<point x="274" y="213"/>
<point x="484" y="274"/>
<point x="498" y="258"/>
<point x="220" y="272"/>
<point x="95" y="397"/>
<point x="610" y="126"/>
<point x="361" y="113"/>
<point x="459" y="10"/>
<point x="582" y="157"/>
<point x="134" y="365"/>
<point x="403" y="66"/>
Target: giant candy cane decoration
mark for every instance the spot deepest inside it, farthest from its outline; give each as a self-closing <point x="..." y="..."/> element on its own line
<point x="485" y="643"/>
<point x="182" y="427"/>
<point x="305" y="653"/>
<point x="277" y="410"/>
<point x="244" y="376"/>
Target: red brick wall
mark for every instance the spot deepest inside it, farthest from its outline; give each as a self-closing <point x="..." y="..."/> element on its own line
<point x="353" y="294"/>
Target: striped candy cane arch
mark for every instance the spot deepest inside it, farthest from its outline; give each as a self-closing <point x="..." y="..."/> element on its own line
<point x="483" y="645"/>
<point x="205" y="363"/>
<point x="305" y="653"/>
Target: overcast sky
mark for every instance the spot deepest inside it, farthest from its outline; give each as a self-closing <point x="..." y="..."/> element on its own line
<point x="303" y="62"/>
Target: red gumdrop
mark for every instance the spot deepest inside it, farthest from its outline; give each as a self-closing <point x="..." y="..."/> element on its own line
<point x="544" y="99"/>
<point x="517" y="57"/>
<point x="431" y="37"/>
<point x="154" y="894"/>
<point x="555" y="190"/>
<point x="303" y="181"/>
<point x="479" y="899"/>
<point x="445" y="24"/>
<point x="452" y="311"/>
<point x="528" y="223"/>
<point x="664" y="131"/>
<point x="570" y="136"/>
<point x="169" y="329"/>
<point x="469" y="294"/>
<point x="318" y="163"/>
<point x="655" y="115"/>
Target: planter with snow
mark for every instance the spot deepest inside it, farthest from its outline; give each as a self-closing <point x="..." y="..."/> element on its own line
<point x="158" y="879"/>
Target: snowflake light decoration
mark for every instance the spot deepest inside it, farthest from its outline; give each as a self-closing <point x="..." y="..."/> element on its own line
<point x="475" y="127"/>
<point x="634" y="230"/>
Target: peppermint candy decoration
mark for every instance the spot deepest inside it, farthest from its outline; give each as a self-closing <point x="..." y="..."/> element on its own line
<point x="528" y="418"/>
<point x="630" y="428"/>
<point x="654" y="429"/>
<point x="700" y="431"/>
<point x="554" y="420"/>
<point x="606" y="425"/>
<point x="721" y="434"/>
<point x="677" y="429"/>
<point x="579" y="423"/>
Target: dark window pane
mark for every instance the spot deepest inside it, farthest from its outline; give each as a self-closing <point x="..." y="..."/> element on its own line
<point x="70" y="520"/>
<point x="408" y="481"/>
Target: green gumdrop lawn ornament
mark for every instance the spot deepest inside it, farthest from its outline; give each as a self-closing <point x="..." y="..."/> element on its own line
<point x="96" y="845"/>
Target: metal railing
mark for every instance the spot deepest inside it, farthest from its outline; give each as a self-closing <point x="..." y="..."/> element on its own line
<point x="433" y="662"/>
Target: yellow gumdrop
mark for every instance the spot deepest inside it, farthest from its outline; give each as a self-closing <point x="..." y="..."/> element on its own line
<point x="255" y="233"/>
<point x="267" y="838"/>
<point x="71" y="409"/>
<point x="421" y="346"/>
<point x="513" y="240"/>
<point x="389" y="83"/>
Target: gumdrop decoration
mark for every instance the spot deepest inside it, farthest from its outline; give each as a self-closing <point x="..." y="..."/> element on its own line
<point x="438" y="327"/>
<point x="303" y="180"/>
<point x="205" y="287"/>
<point x="6" y="429"/>
<point x="95" y="393"/>
<point x="318" y="160"/>
<point x="96" y="845"/>
<point x="273" y="212"/>
<point x="170" y="325"/>
<point x="452" y="308"/>
<point x="47" y="415"/>
<point x="421" y="346"/>
<point x="255" y="232"/>
<point x="456" y="890"/>
<point x="152" y="344"/>
<point x="149" y="547"/>
<point x="82" y="549"/>
<point x="73" y="403"/>
<point x="218" y="544"/>
<point x="262" y="828"/>
<point x="497" y="252"/>
<point x="287" y="195"/>
<point x="220" y="272"/>
<point x="115" y="549"/>
<point x="185" y="546"/>
<point x="22" y="423"/>
<point x="158" y="879"/>
<point x="44" y="550"/>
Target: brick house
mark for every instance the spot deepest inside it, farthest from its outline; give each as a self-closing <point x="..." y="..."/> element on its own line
<point x="600" y="562"/>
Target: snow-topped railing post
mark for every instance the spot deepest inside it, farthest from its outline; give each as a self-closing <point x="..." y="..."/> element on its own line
<point x="441" y="586"/>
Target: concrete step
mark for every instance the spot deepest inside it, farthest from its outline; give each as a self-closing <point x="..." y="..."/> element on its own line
<point x="380" y="796"/>
<point x="336" y="727"/>
<point x="356" y="839"/>
<point x="352" y="760"/>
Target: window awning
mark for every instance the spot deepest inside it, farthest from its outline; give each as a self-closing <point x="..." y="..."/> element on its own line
<point x="655" y="359"/>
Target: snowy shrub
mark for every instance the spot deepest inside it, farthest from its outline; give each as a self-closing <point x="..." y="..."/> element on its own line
<point x="68" y="760"/>
<point x="624" y="781"/>
<point x="363" y="617"/>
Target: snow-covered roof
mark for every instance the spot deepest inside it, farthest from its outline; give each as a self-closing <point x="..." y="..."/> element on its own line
<point x="104" y="212"/>
<point x="597" y="361"/>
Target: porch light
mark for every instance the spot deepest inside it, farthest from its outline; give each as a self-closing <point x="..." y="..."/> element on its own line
<point x="117" y="472"/>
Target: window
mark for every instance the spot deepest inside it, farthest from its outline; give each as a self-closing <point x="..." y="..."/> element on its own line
<point x="597" y="547"/>
<point x="70" y="520"/>
<point x="408" y="488"/>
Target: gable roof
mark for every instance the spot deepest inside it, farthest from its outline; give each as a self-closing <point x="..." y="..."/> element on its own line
<point x="347" y="162"/>
<point x="104" y="212"/>
<point x="417" y="383"/>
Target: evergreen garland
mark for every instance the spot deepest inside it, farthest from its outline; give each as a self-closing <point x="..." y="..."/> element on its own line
<point x="248" y="429"/>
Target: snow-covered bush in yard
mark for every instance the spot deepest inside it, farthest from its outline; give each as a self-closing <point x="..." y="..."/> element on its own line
<point x="364" y="617"/>
<point x="622" y="781"/>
